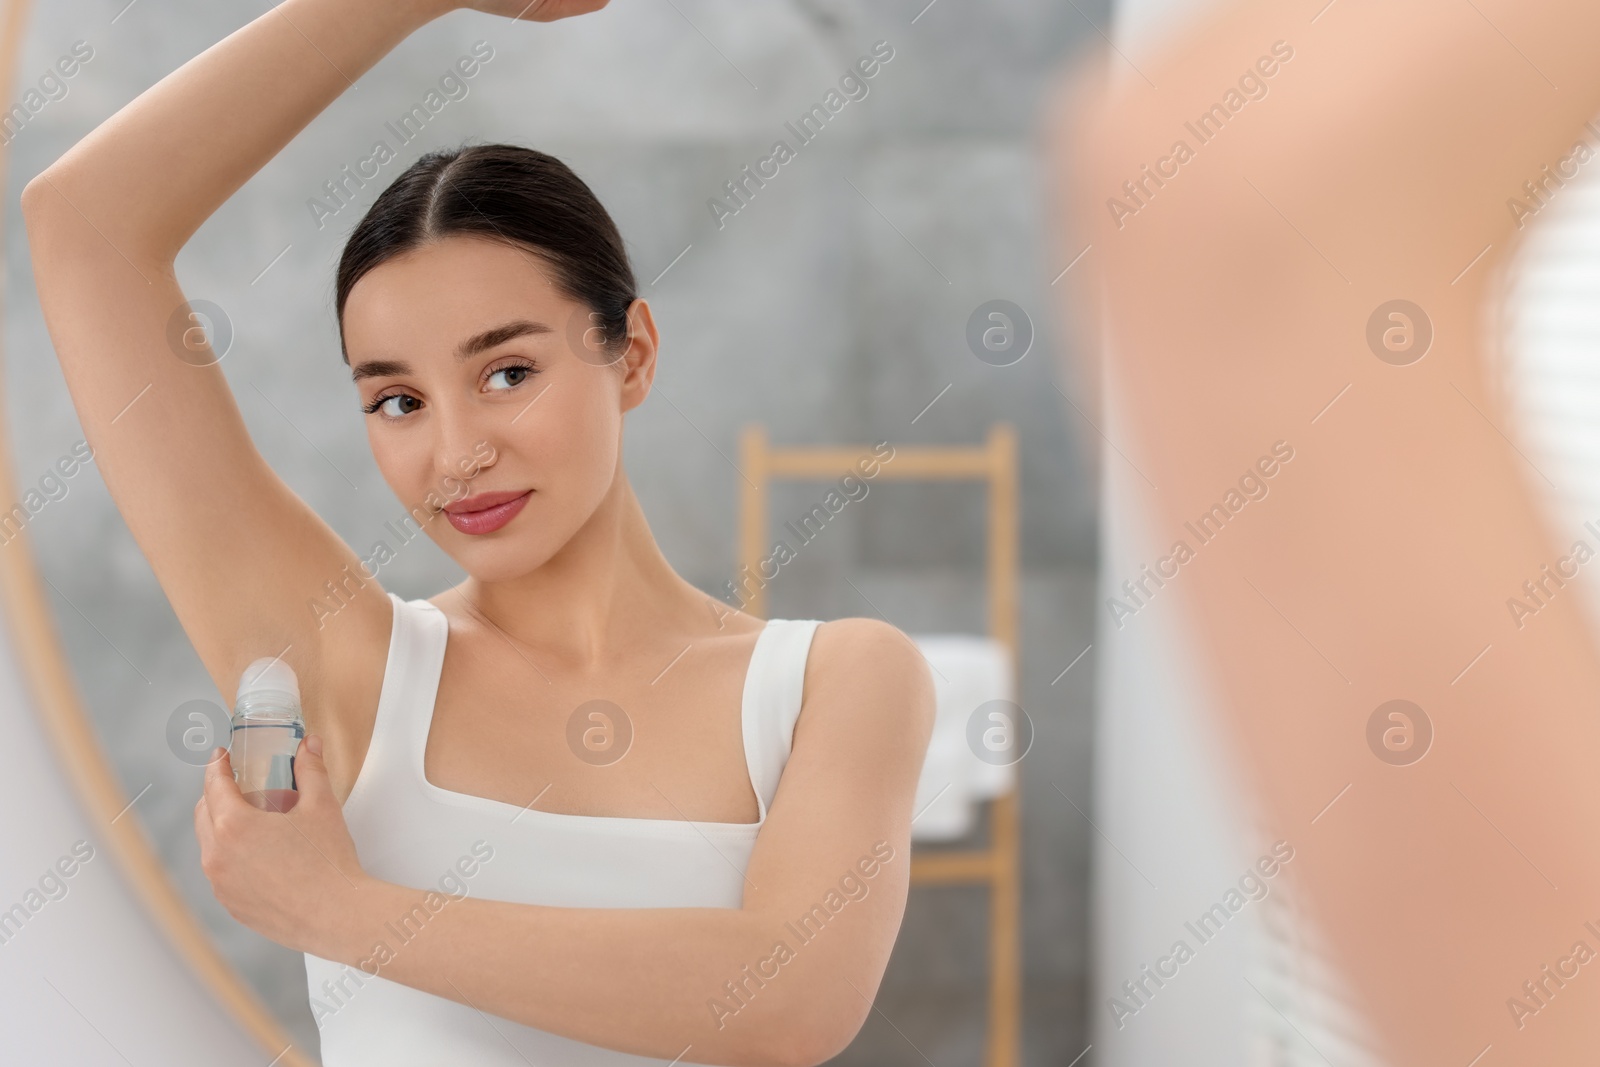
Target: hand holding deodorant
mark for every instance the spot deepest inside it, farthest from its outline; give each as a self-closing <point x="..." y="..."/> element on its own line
<point x="266" y="733"/>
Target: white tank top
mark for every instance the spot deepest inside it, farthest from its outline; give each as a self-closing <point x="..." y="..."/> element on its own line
<point x="411" y="832"/>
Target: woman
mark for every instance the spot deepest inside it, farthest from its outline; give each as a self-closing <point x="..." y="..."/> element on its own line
<point x="551" y="794"/>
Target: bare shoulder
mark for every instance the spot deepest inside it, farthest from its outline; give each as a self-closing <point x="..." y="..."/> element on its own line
<point x="867" y="676"/>
<point x="845" y="643"/>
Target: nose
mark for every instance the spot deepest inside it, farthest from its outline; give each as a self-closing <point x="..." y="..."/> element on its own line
<point x="464" y="447"/>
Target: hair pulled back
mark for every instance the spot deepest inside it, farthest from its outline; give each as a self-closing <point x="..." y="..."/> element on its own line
<point x="508" y="193"/>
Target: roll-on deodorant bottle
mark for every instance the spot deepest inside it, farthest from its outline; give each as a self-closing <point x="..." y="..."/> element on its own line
<point x="266" y="733"/>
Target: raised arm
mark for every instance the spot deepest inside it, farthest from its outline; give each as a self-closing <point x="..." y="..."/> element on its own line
<point x="151" y="174"/>
<point x="239" y="555"/>
<point x="245" y="563"/>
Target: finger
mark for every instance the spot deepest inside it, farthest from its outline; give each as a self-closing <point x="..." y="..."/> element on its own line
<point x="311" y="774"/>
<point x="221" y="791"/>
<point x="202" y="828"/>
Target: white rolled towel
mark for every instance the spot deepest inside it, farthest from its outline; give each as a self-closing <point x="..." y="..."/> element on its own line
<point x="968" y="672"/>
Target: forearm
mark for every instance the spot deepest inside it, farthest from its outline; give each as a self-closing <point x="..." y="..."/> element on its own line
<point x="642" y="980"/>
<point x="152" y="173"/>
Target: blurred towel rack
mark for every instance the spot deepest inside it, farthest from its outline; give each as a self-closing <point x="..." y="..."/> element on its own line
<point x="998" y="863"/>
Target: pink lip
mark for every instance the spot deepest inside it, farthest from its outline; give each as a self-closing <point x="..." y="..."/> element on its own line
<point x="503" y="507"/>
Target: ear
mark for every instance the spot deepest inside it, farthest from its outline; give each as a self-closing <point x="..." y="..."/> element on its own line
<point x="639" y="360"/>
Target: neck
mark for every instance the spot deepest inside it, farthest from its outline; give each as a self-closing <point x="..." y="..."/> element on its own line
<point x="608" y="587"/>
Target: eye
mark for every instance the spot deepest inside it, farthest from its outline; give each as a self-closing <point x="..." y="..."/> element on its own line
<point x="517" y="374"/>
<point x="380" y="404"/>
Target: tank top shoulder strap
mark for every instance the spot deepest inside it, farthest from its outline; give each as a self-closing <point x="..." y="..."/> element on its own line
<point x="773" y="688"/>
<point x="417" y="639"/>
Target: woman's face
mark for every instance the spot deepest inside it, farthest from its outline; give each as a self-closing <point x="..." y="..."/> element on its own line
<point x="474" y="373"/>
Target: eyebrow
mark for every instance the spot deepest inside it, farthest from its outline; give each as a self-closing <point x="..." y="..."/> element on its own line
<point x="472" y="346"/>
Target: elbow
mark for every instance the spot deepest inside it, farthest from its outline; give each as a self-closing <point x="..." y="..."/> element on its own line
<point x="56" y="208"/>
<point x="39" y="205"/>
<point x="36" y="194"/>
<point x="796" y="1051"/>
<point x="811" y="1039"/>
<point x="49" y="195"/>
<point x="41" y="201"/>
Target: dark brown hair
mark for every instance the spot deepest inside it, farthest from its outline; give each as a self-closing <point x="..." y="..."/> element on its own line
<point x="509" y="193"/>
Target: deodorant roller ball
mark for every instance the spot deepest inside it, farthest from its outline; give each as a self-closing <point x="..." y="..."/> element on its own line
<point x="266" y="733"/>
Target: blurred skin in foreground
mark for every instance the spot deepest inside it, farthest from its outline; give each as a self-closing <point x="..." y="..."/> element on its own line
<point x="1354" y="154"/>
